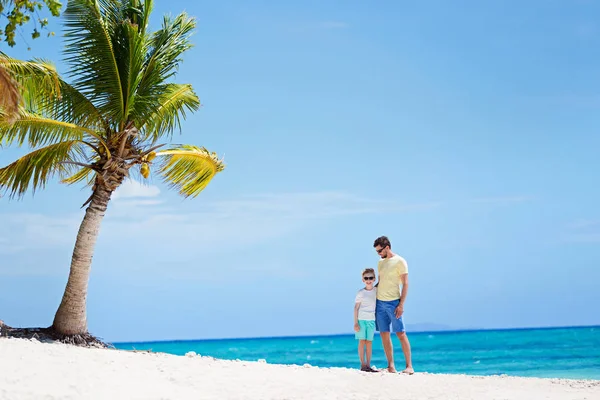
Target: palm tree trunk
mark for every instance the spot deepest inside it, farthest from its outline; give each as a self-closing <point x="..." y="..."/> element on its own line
<point x="70" y="318"/>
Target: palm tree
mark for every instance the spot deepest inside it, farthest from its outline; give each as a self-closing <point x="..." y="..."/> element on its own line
<point x="109" y="121"/>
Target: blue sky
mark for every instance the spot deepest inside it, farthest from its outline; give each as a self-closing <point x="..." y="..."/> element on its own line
<point x="467" y="133"/>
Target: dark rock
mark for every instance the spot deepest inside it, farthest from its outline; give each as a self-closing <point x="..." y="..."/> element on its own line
<point x="49" y="335"/>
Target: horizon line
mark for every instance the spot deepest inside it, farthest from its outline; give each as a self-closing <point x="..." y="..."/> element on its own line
<point x="443" y="331"/>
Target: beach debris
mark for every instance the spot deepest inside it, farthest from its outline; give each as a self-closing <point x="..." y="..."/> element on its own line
<point x="142" y="351"/>
<point x="262" y="360"/>
<point x="191" y="354"/>
<point x="307" y="366"/>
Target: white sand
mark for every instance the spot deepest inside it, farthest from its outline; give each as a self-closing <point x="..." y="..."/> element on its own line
<point x="34" y="370"/>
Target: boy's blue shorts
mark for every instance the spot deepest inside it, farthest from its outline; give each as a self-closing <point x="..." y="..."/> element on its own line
<point x="367" y="330"/>
<point x="385" y="316"/>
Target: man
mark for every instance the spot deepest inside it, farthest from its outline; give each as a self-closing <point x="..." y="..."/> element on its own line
<point x="393" y="272"/>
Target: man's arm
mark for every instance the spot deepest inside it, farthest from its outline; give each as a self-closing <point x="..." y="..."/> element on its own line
<point x="404" y="280"/>
<point x="400" y="308"/>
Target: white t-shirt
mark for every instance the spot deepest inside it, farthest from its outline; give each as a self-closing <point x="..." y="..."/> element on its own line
<point x="367" y="300"/>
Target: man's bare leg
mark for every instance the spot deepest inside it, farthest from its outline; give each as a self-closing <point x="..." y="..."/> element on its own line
<point x="407" y="353"/>
<point x="386" y="340"/>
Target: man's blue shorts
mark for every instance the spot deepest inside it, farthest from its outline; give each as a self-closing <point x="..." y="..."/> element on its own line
<point x="385" y="316"/>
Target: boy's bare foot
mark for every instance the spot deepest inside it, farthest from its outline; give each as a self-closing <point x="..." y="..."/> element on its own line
<point x="409" y="371"/>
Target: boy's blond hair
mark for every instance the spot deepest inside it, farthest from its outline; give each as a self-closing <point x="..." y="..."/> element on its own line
<point x="368" y="271"/>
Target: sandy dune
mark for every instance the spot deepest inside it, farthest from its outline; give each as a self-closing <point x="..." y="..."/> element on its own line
<point x="34" y="370"/>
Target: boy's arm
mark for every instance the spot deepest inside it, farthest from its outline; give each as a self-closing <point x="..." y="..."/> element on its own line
<point x="356" y="307"/>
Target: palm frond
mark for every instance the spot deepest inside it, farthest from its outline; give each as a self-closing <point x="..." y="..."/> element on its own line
<point x="45" y="93"/>
<point x="10" y="96"/>
<point x="82" y="175"/>
<point x="39" y="131"/>
<point x="169" y="108"/>
<point x="41" y="71"/>
<point x="166" y="48"/>
<point x="189" y="169"/>
<point x="145" y="15"/>
<point x="14" y="74"/>
<point x="72" y="106"/>
<point x="131" y="50"/>
<point x="89" y="50"/>
<point x="36" y="168"/>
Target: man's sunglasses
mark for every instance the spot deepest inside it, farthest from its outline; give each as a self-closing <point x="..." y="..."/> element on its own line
<point x="369" y="278"/>
<point x="380" y="250"/>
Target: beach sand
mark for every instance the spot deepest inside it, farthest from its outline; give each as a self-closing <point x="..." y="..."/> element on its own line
<point x="30" y="369"/>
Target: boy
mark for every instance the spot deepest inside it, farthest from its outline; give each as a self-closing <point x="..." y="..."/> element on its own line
<point x="364" y="319"/>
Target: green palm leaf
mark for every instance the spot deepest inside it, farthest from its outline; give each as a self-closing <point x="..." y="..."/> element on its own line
<point x="72" y="106"/>
<point x="189" y="169"/>
<point x="132" y="53"/>
<point x="14" y="74"/>
<point x="41" y="71"/>
<point x="46" y="94"/>
<point x="36" y="168"/>
<point x="82" y="175"/>
<point x="39" y="131"/>
<point x="166" y="48"/>
<point x="89" y="49"/>
<point x="169" y="108"/>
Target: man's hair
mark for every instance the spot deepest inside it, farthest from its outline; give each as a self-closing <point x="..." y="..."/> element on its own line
<point x="382" y="241"/>
<point x="368" y="271"/>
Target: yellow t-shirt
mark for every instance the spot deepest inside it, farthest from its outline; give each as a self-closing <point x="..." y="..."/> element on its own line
<point x="390" y="270"/>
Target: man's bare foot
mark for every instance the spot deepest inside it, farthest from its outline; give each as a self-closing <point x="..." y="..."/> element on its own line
<point x="392" y="369"/>
<point x="409" y="370"/>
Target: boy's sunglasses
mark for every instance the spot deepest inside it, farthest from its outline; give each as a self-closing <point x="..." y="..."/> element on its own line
<point x="369" y="278"/>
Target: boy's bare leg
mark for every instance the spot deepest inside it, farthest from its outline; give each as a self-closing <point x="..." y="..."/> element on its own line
<point x="386" y="340"/>
<point x="369" y="345"/>
<point x="361" y="352"/>
<point x="407" y="353"/>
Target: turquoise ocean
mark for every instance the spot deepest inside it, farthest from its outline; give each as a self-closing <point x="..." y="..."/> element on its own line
<point x="549" y="352"/>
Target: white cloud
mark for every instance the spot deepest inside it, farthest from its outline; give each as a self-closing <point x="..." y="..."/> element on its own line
<point x="240" y="222"/>
<point x="502" y="199"/>
<point x="587" y="101"/>
<point x="7" y="247"/>
<point x="134" y="189"/>
<point x="585" y="223"/>
<point x="583" y="238"/>
<point x="583" y="231"/>
<point x="26" y="231"/>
